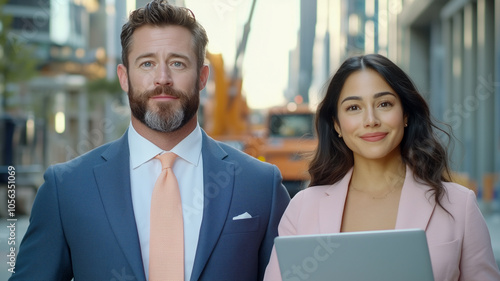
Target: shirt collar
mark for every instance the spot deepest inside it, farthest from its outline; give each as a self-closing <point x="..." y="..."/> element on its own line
<point x="189" y="148"/>
<point x="142" y="150"/>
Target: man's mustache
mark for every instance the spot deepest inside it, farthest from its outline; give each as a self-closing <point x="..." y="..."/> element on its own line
<point x="166" y="90"/>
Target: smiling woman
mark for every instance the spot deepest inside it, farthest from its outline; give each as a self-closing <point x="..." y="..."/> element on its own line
<point x="379" y="165"/>
<point x="370" y="117"/>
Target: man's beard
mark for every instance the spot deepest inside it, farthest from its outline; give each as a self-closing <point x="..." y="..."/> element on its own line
<point x="166" y="118"/>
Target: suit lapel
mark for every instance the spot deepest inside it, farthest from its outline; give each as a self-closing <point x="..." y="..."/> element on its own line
<point x="218" y="181"/>
<point x="416" y="204"/>
<point x="333" y="203"/>
<point x="113" y="181"/>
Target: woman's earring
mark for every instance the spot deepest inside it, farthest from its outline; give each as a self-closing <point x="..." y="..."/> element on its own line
<point x="340" y="135"/>
<point x="406" y="124"/>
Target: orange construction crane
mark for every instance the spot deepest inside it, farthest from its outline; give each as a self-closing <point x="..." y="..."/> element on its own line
<point x="289" y="134"/>
<point x="225" y="111"/>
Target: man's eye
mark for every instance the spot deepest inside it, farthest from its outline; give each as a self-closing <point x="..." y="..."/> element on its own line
<point x="177" y="64"/>
<point x="147" y="64"/>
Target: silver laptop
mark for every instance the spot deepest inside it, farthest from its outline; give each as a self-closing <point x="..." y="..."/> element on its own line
<point x="387" y="255"/>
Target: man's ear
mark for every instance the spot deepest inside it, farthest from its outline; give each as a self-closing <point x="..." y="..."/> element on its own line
<point x="204" y="72"/>
<point x="121" y="71"/>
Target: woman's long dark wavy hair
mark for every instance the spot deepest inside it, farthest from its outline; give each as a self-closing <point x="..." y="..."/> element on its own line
<point x="421" y="149"/>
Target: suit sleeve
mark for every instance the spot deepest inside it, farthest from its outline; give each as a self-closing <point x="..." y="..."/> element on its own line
<point x="280" y="200"/>
<point x="477" y="262"/>
<point x="43" y="253"/>
<point x="286" y="228"/>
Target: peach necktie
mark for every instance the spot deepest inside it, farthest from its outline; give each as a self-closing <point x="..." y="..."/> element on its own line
<point x="166" y="241"/>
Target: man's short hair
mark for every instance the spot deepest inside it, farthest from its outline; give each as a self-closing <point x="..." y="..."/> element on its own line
<point x="161" y="13"/>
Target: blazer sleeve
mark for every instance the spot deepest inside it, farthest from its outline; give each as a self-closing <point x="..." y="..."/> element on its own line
<point x="477" y="261"/>
<point x="44" y="253"/>
<point x="286" y="227"/>
<point x="279" y="203"/>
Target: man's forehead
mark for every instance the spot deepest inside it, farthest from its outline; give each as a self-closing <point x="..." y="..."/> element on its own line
<point x="175" y="38"/>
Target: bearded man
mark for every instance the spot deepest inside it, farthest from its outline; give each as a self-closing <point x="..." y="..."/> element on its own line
<point x="100" y="217"/>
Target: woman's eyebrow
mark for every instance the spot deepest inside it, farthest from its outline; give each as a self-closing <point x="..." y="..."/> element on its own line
<point x="377" y="95"/>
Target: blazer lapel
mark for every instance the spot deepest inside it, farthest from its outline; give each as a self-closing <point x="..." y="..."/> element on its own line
<point x="416" y="204"/>
<point x="415" y="207"/>
<point x="333" y="203"/>
<point x="218" y="182"/>
<point x="113" y="181"/>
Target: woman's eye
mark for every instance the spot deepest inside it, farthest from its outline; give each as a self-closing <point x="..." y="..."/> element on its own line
<point x="352" y="108"/>
<point x="385" y="104"/>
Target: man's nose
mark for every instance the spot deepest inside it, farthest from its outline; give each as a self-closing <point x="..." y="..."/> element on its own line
<point x="163" y="76"/>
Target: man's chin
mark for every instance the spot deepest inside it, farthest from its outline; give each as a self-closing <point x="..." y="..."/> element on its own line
<point x="161" y="129"/>
<point x="165" y="123"/>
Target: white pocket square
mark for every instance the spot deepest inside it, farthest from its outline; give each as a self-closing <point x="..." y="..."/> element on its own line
<point x="245" y="215"/>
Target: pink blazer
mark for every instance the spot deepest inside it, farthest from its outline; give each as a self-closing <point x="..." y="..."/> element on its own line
<point x="460" y="246"/>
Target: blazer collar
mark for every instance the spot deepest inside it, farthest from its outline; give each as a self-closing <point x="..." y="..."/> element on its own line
<point x="218" y="182"/>
<point x="113" y="182"/>
<point x="415" y="206"/>
<point x="333" y="203"/>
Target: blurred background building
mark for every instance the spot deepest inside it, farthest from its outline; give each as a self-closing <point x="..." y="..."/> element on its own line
<point x="70" y="100"/>
<point x="71" y="104"/>
<point x="451" y="49"/>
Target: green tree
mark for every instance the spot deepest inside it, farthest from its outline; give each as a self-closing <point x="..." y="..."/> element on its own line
<point x="17" y="60"/>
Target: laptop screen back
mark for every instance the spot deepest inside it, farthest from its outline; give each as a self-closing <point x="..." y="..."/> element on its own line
<point x="388" y="255"/>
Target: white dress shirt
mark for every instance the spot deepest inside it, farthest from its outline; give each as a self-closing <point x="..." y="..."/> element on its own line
<point x="188" y="169"/>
